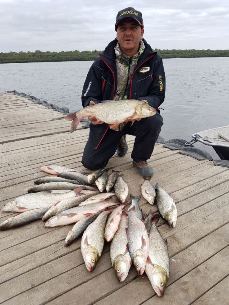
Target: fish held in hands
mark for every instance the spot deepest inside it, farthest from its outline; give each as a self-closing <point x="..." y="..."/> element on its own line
<point x="113" y="113"/>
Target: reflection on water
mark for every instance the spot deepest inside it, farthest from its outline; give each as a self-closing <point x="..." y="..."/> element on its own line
<point x="196" y="98"/>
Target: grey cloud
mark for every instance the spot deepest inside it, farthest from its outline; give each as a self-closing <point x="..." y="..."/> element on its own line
<point x="87" y="25"/>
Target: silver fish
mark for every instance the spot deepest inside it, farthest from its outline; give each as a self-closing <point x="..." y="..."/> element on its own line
<point x="78" y="229"/>
<point x="120" y="256"/>
<point x="101" y="181"/>
<point x="92" y="241"/>
<point x="58" y="186"/>
<point x="157" y="264"/>
<point x="68" y="203"/>
<point x="112" y="177"/>
<point x="75" y="214"/>
<point x="35" y="200"/>
<point x="54" y="179"/>
<point x="54" y="169"/>
<point x="52" y="186"/>
<point x="138" y="241"/>
<point x="113" y="113"/>
<point x="94" y="175"/>
<point x="148" y="191"/>
<point x="22" y="218"/>
<point x="121" y="190"/>
<point x="113" y="223"/>
<point x="97" y="198"/>
<point x="166" y="206"/>
<point x="134" y="206"/>
<point x="81" y="178"/>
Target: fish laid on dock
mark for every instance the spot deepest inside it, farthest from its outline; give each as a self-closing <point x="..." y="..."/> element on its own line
<point x="138" y="241"/>
<point x="36" y="200"/>
<point x="113" y="223"/>
<point x="22" y="218"/>
<point x="121" y="190"/>
<point x="157" y="264"/>
<point x="119" y="253"/>
<point x="166" y="206"/>
<point x="92" y="241"/>
<point x="75" y="214"/>
<point x="112" y="177"/>
<point x="68" y="203"/>
<point x="148" y="191"/>
<point x="78" y="229"/>
<point x="113" y="113"/>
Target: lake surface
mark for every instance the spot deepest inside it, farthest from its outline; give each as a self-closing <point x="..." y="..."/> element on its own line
<point x="196" y="98"/>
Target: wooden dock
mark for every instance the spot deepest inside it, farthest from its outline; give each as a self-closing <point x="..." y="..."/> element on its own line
<point x="36" y="268"/>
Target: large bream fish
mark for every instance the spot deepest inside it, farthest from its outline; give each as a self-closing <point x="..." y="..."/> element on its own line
<point x="113" y="113"/>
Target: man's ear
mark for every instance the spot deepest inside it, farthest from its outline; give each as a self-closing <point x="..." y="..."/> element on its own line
<point x="142" y="30"/>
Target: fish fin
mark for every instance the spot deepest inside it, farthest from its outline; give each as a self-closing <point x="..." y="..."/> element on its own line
<point x="149" y="261"/>
<point x="78" y="190"/>
<point x="75" y="120"/>
<point x="85" y="241"/>
<point x="143" y="246"/>
<point x="48" y="170"/>
<point x="88" y="214"/>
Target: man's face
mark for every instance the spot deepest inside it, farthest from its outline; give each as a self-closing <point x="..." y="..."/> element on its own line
<point x="129" y="35"/>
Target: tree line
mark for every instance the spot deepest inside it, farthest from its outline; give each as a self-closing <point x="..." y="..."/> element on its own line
<point x="47" y="56"/>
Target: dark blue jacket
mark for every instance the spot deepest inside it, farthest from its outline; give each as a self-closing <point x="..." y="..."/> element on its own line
<point x="146" y="83"/>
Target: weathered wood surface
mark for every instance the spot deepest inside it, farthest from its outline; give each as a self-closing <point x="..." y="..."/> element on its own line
<point x="36" y="268"/>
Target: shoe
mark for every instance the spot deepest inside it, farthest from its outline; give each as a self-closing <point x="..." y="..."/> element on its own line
<point x="143" y="169"/>
<point x="122" y="147"/>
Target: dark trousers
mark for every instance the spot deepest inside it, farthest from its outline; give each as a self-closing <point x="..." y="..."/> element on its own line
<point x="102" y="142"/>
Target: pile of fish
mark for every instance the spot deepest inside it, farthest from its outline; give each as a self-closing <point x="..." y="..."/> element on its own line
<point x="102" y="209"/>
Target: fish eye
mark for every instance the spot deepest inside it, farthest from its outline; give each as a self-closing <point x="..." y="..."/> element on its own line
<point x="162" y="284"/>
<point x="118" y="270"/>
<point x="92" y="260"/>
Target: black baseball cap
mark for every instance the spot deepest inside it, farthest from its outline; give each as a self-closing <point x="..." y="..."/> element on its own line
<point x="129" y="13"/>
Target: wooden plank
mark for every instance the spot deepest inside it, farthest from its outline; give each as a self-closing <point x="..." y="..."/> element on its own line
<point x="196" y="282"/>
<point x="67" y="280"/>
<point x="32" y="245"/>
<point x="38" y="258"/>
<point x="216" y="295"/>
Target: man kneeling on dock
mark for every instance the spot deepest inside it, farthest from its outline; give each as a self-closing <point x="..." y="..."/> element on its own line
<point x="127" y="69"/>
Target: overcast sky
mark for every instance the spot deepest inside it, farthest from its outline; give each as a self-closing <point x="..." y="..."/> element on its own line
<point x="55" y="25"/>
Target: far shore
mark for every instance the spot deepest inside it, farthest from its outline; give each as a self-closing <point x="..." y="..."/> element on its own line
<point x="47" y="56"/>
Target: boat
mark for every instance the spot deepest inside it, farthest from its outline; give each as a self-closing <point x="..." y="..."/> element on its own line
<point x="218" y="138"/>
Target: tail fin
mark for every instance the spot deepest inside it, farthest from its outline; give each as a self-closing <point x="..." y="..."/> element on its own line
<point x="75" y="120"/>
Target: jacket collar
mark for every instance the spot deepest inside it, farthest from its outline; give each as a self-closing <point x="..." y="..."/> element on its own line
<point x="109" y="52"/>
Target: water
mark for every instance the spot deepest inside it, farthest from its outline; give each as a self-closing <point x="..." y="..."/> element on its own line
<point x="196" y="97"/>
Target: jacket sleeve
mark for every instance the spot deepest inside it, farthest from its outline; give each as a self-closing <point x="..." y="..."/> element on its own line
<point x="157" y="89"/>
<point x="92" y="86"/>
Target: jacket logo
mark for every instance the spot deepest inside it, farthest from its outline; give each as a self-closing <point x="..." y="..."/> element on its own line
<point x="144" y="69"/>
